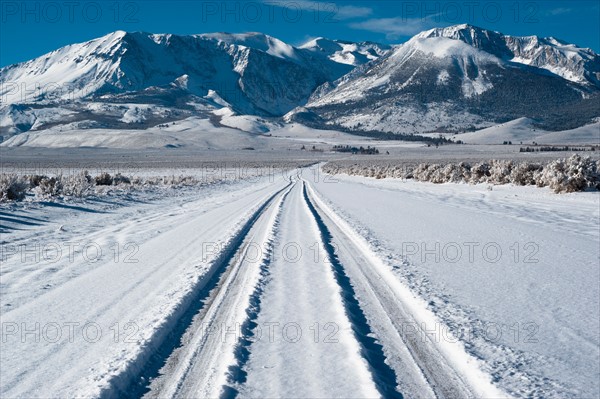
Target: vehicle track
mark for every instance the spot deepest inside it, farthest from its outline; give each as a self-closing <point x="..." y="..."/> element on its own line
<point x="308" y="347"/>
<point x="210" y="351"/>
<point x="195" y="361"/>
<point x="423" y="368"/>
<point x="150" y="295"/>
<point x="384" y="376"/>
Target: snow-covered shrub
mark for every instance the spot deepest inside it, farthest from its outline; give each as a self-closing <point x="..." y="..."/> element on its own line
<point x="78" y="185"/>
<point x="104" y="179"/>
<point x="13" y="188"/>
<point x="34" y="180"/>
<point x="500" y="171"/>
<point x="525" y="173"/>
<point x="436" y="174"/>
<point x="119" y="179"/>
<point x="48" y="187"/>
<point x="421" y="172"/>
<point x="480" y="172"/>
<point x="570" y="175"/>
<point x="453" y="173"/>
<point x="565" y="175"/>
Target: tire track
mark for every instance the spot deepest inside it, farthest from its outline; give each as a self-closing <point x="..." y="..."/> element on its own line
<point x="187" y="346"/>
<point x="306" y="347"/>
<point x="383" y="375"/>
<point x="423" y="366"/>
<point x="135" y="383"/>
<point x="236" y="374"/>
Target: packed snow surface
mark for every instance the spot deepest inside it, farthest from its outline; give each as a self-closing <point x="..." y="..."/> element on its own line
<point x="301" y="283"/>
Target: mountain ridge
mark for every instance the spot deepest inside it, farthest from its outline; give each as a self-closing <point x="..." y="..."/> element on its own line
<point x="574" y="63"/>
<point x="457" y="78"/>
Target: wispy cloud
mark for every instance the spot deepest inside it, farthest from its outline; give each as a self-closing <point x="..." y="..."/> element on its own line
<point x="334" y="10"/>
<point x="395" y="27"/>
<point x="348" y="12"/>
<point x="560" y="11"/>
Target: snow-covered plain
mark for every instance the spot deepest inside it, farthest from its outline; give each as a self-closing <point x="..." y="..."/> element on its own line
<point x="303" y="284"/>
<point x="523" y="131"/>
<point x="291" y="282"/>
<point x="515" y="270"/>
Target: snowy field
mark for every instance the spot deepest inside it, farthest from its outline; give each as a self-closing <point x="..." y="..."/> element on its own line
<point x="297" y="283"/>
<point x="230" y="215"/>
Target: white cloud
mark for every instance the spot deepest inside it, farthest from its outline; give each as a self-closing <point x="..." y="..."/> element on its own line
<point x="394" y="27"/>
<point x="348" y="12"/>
<point x="327" y="9"/>
<point x="560" y="11"/>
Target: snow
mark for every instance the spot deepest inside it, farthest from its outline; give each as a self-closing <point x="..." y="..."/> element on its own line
<point x="246" y="123"/>
<point x="464" y="54"/>
<point x="518" y="130"/>
<point x="154" y="66"/>
<point x="500" y="283"/>
<point x="443" y="77"/>
<point x="56" y="74"/>
<point x="495" y="323"/>
<point x="235" y="133"/>
<point x="137" y="113"/>
<point x="345" y="52"/>
<point x="555" y="353"/>
<point x="317" y="364"/>
<point x="199" y="368"/>
<point x="587" y="134"/>
<point x="256" y="40"/>
<point x="11" y="118"/>
<point x="145" y="286"/>
<point x="216" y="98"/>
<point x="303" y="135"/>
<point x="442" y="47"/>
<point x="199" y="133"/>
<point x="566" y="60"/>
<point x="523" y="130"/>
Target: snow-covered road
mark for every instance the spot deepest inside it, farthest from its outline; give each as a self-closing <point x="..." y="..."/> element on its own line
<point x="311" y="350"/>
<point x="95" y="331"/>
<point x="294" y="287"/>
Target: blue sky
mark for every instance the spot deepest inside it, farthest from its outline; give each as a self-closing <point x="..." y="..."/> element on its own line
<point x="31" y="28"/>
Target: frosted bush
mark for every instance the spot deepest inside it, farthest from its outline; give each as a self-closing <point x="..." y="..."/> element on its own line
<point x="119" y="179"/>
<point x="78" y="185"/>
<point x="480" y="173"/>
<point x="422" y="172"/>
<point x="525" y="174"/>
<point x="500" y="171"/>
<point x="570" y="175"/>
<point x="104" y="179"/>
<point x="47" y="187"/>
<point x="453" y="173"/>
<point x="436" y="174"/>
<point x="565" y="175"/>
<point x="13" y="188"/>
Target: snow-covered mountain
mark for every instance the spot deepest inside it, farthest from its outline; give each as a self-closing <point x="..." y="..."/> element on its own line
<point x="581" y="65"/>
<point x="345" y="52"/>
<point x="456" y="79"/>
<point x="252" y="72"/>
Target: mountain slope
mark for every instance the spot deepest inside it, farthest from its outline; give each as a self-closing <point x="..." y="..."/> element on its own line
<point x="454" y="79"/>
<point x="253" y="72"/>
<point x="143" y="79"/>
<point x="345" y="52"/>
<point x="438" y="83"/>
<point x="580" y="65"/>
